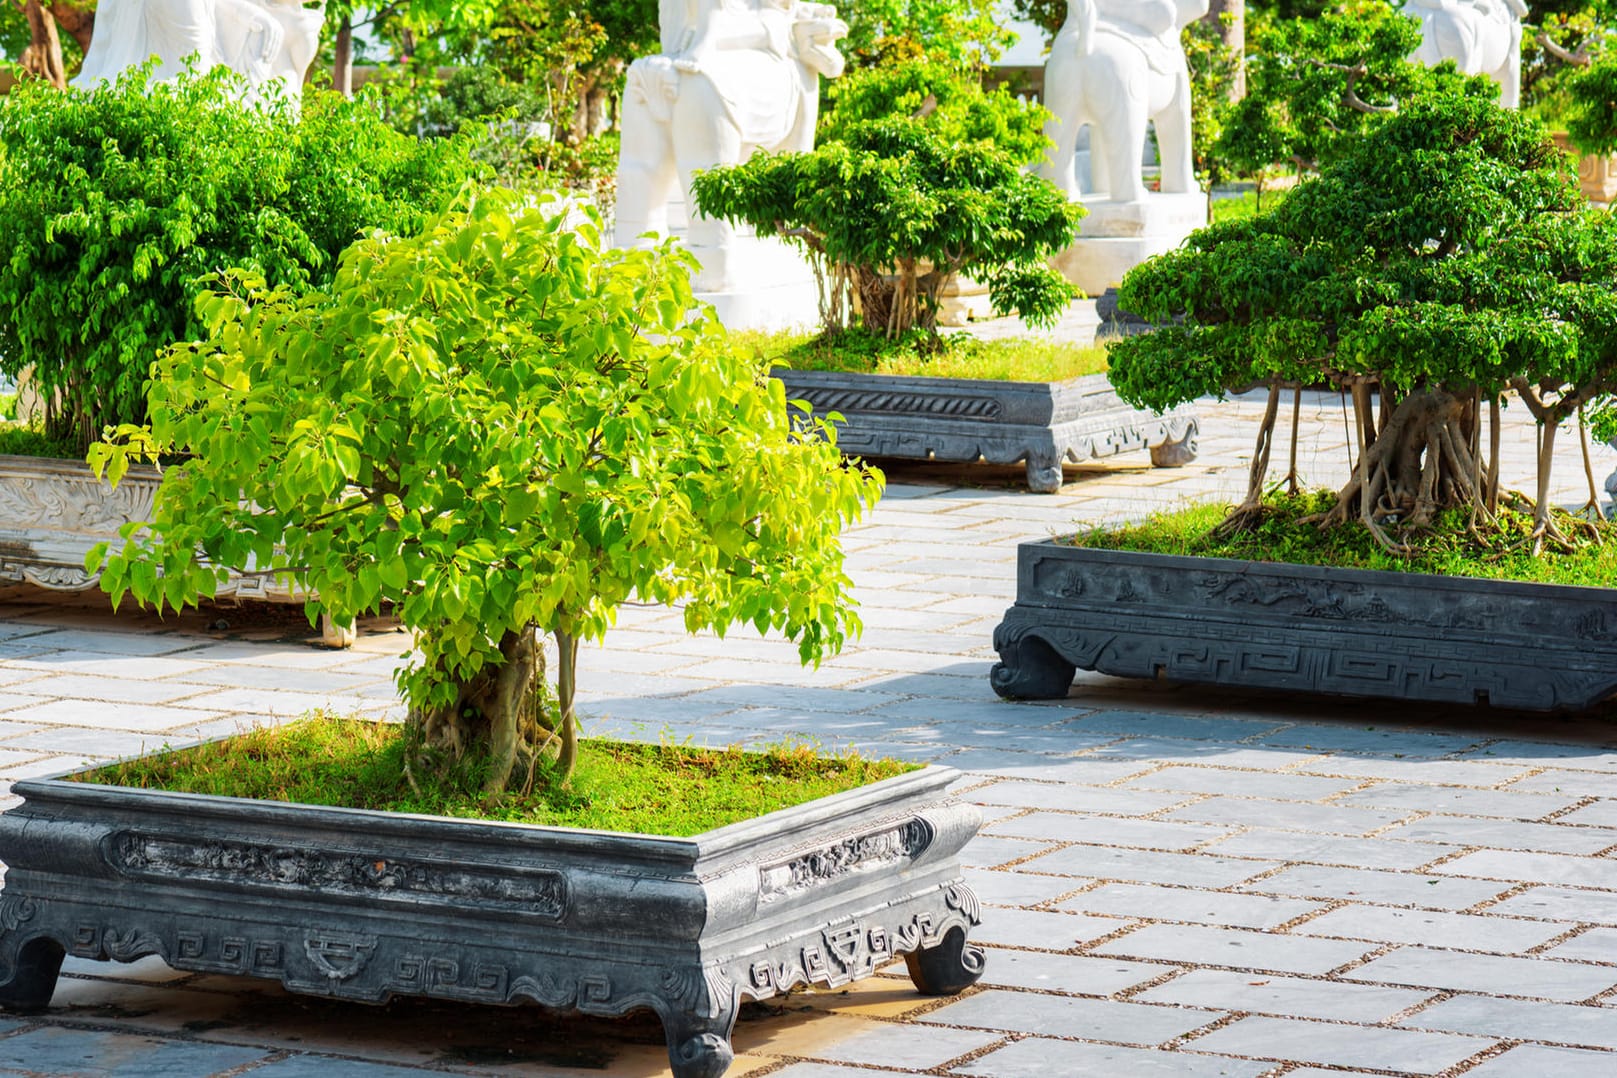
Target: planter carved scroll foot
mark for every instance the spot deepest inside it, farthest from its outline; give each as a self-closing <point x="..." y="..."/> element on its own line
<point x="699" y="1055"/>
<point x="1044" y="474"/>
<point x="1180" y="448"/>
<point x="28" y="972"/>
<point x="949" y="968"/>
<point x="1030" y="669"/>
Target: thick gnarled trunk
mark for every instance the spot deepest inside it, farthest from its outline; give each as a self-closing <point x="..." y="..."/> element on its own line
<point x="500" y="721"/>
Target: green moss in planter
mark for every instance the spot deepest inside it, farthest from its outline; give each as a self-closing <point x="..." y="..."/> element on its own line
<point x="1285" y="534"/>
<point x="673" y="790"/>
<point x="21" y="441"/>
<point x="1011" y="359"/>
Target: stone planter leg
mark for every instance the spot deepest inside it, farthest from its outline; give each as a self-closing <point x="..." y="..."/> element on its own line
<point x="1178" y="452"/>
<point x="28" y="969"/>
<point x="1029" y="668"/>
<point x="951" y="967"/>
<point x="1044" y="474"/>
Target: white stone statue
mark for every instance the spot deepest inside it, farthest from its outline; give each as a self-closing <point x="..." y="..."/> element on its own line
<point x="1482" y="37"/>
<point x="734" y="76"/>
<point x="264" y="40"/>
<point x="1114" y="66"/>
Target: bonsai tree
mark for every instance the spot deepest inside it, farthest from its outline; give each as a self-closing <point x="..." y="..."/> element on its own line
<point x="1318" y="83"/>
<point x="1442" y="263"/>
<point x="919" y="177"/>
<point x="500" y="429"/>
<point x="116" y="203"/>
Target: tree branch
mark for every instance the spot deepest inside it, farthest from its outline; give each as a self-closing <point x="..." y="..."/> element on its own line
<point x="1581" y="58"/>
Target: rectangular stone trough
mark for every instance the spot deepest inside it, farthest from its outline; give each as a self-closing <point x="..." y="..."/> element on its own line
<point x="1041" y="424"/>
<point x="1302" y="628"/>
<point x="364" y="905"/>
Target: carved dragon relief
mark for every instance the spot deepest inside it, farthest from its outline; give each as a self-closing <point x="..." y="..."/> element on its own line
<point x="878" y="849"/>
<point x="535" y="892"/>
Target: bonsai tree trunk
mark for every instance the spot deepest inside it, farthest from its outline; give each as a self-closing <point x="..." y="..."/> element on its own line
<point x="342" y="61"/>
<point x="500" y="719"/>
<point x="1233" y="34"/>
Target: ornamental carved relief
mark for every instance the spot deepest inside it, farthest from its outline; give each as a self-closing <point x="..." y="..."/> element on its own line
<point x="886" y="847"/>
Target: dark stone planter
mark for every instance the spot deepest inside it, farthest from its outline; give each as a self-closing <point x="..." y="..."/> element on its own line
<point x="364" y="905"/>
<point x="962" y="419"/>
<point x="1354" y="632"/>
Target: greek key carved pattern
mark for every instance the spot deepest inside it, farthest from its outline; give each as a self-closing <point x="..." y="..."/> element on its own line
<point x="876" y="849"/>
<point x="538" y="893"/>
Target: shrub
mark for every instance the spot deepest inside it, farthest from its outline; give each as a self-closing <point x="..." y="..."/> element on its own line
<point x="501" y="429"/>
<point x="118" y="203"/>
<point x="1440" y="264"/>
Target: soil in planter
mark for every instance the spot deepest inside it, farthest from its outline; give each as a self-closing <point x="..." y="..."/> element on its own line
<point x="1285" y="535"/>
<point x="674" y="790"/>
<point x="1011" y="359"/>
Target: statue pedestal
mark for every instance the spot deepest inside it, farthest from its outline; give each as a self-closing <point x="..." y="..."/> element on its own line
<point x="767" y="284"/>
<point x="1117" y="236"/>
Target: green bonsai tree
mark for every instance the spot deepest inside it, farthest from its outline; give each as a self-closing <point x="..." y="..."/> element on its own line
<point x="919" y="177"/>
<point x="1317" y="84"/>
<point x="500" y="429"/>
<point x="116" y="203"/>
<point x="1439" y="265"/>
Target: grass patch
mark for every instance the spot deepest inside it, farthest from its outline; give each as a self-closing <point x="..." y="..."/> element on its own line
<point x="957" y="355"/>
<point x="8" y="406"/>
<point x="674" y="790"/>
<point x="27" y="442"/>
<point x="1450" y="551"/>
<point x="1246" y="204"/>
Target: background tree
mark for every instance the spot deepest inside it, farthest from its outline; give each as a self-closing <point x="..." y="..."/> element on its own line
<point x="35" y="33"/>
<point x="1436" y="264"/>
<point x="115" y="204"/>
<point x="503" y="429"/>
<point x="920" y="175"/>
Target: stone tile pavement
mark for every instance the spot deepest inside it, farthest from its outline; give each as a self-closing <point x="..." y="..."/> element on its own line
<point x="1177" y="881"/>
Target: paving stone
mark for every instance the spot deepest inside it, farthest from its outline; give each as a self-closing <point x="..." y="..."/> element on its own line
<point x="1534" y="868"/>
<point x="1594" y="945"/>
<point x="1035" y="767"/>
<point x="889" y="1045"/>
<point x="1211" y="754"/>
<point x="1533" y="977"/>
<point x="112" y="716"/>
<point x="92" y="1054"/>
<point x="1196" y="945"/>
<point x="1405" y="1051"/>
<point x="1561" y="904"/>
<point x="1290" y="815"/>
<point x="986" y="851"/>
<point x="1155" y="725"/>
<point x="308" y="1066"/>
<point x="1505" y="835"/>
<point x="1110" y="831"/>
<point x="1042" y="931"/>
<point x="1038" y="1057"/>
<point x="135" y="668"/>
<point x="1525" y="1059"/>
<point x="80" y="642"/>
<point x="1078" y="975"/>
<point x="1576" y="785"/>
<point x="1005" y="887"/>
<point x="1092" y="1019"/>
<point x="827" y="1070"/>
<point x="1602" y="813"/>
<point x="1184" y="904"/>
<point x="1147" y="866"/>
<point x="1371" y="885"/>
<point x="1380" y="740"/>
<point x="1559" y="1023"/>
<point x="1440" y="772"/>
<point x="1294" y="997"/>
<point x="1328" y="849"/>
<point x="1506" y="804"/>
<point x="1551" y="754"/>
<point x="1214" y="780"/>
<point x="1061" y="797"/>
<point x="1498" y="935"/>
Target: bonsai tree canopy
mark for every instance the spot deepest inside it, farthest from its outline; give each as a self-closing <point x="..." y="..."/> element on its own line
<point x="1443" y="262"/>
<point x="500" y="429"/>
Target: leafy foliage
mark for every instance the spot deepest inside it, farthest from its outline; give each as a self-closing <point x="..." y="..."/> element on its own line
<point x="497" y="427"/>
<point x="1317" y="85"/>
<point x="116" y="203"/>
<point x="1440" y="263"/>
<point x="901" y="197"/>
<point x="895" y="32"/>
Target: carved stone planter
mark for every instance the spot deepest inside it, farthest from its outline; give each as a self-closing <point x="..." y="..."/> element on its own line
<point x="364" y="905"/>
<point x="1354" y="632"/>
<point x="53" y="511"/>
<point x="961" y="419"/>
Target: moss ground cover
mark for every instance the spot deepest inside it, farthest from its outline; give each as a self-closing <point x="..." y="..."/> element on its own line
<point x="1018" y="359"/>
<point x="1286" y="534"/>
<point x="618" y="786"/>
<point x="20" y="441"/>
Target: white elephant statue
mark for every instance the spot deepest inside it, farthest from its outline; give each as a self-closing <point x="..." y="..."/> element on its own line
<point x="734" y="76"/>
<point x="1482" y="37"/>
<point x="1114" y="66"/>
<point x="263" y="40"/>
